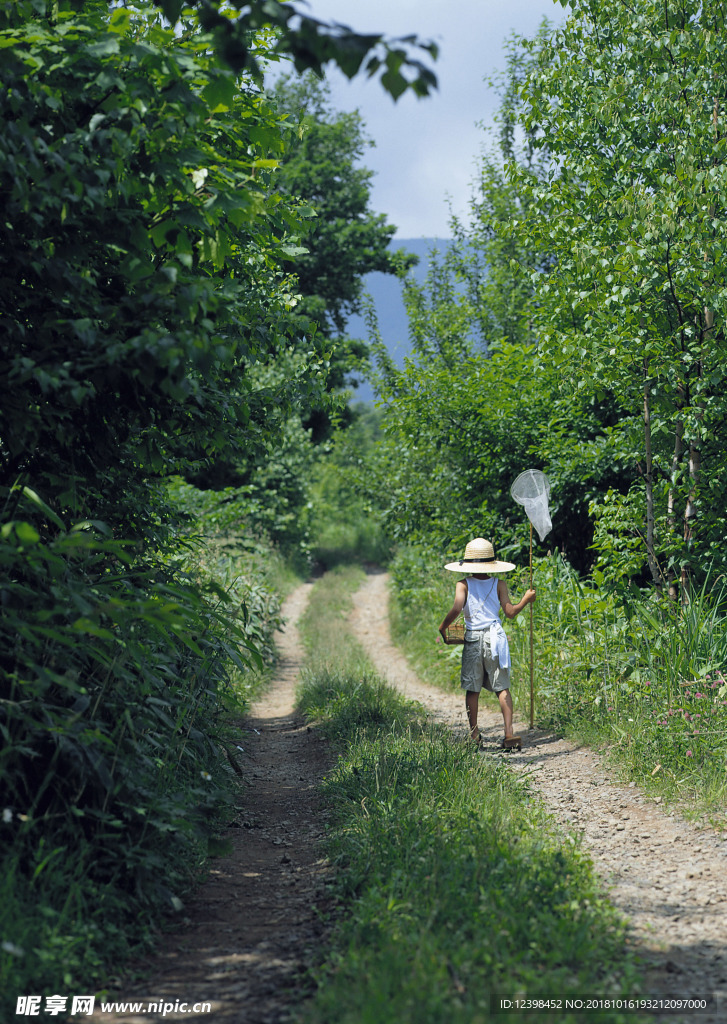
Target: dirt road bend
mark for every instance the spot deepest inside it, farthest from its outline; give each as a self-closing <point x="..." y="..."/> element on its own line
<point x="246" y="938"/>
<point x="666" y="875"/>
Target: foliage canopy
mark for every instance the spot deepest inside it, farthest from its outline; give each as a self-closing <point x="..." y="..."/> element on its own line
<point x="596" y="242"/>
<point x="627" y="99"/>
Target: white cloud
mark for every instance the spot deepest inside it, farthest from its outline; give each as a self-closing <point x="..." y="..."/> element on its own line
<point x="426" y="149"/>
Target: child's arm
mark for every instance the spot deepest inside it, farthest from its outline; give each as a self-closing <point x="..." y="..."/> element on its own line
<point x="460" y="596"/>
<point x="510" y="609"/>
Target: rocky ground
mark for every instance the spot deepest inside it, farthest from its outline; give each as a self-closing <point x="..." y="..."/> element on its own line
<point x="245" y="942"/>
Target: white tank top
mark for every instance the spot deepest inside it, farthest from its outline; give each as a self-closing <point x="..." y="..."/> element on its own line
<point x="482" y="606"/>
<point x="482" y="611"/>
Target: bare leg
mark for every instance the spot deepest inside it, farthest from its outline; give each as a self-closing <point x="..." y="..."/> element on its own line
<point x="506" y="708"/>
<point x="472" y="703"/>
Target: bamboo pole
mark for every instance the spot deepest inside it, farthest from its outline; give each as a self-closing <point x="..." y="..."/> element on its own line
<point x="532" y="687"/>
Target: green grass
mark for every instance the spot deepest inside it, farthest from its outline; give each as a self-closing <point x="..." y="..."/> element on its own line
<point x="340" y="687"/>
<point x="453" y="886"/>
<point x="323" y="626"/>
<point x="352" y="700"/>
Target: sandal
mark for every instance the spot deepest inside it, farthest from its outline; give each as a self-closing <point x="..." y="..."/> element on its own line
<point x="511" y="743"/>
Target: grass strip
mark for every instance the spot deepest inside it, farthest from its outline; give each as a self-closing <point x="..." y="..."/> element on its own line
<point x="323" y="627"/>
<point x="453" y="885"/>
<point x="335" y="658"/>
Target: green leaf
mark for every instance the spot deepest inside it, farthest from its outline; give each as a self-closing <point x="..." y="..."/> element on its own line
<point x="172" y="9"/>
<point x="219" y="93"/>
<point x="26" y="533"/>
<point x="120" y="20"/>
<point x="45" y="508"/>
<point x="291" y="252"/>
<point x="91" y="628"/>
<point x="394" y="83"/>
<point x="108" y="46"/>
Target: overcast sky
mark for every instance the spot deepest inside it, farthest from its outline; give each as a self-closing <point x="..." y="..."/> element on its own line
<point x="426" y="149"/>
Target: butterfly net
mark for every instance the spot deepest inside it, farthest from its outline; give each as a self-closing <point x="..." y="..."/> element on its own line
<point x="532" y="489"/>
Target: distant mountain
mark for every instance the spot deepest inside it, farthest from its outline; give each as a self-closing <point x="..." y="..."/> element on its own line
<point x="385" y="290"/>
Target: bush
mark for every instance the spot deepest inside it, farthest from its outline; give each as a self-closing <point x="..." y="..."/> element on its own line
<point x="115" y="681"/>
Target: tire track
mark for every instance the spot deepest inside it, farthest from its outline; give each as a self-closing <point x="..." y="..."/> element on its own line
<point x="248" y="935"/>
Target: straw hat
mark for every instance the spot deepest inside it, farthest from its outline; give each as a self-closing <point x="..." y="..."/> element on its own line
<point x="479" y="556"/>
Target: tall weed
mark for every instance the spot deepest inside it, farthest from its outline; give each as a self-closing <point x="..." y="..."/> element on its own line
<point x="641" y="675"/>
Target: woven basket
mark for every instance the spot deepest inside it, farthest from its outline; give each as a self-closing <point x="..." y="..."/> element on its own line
<point x="455" y="633"/>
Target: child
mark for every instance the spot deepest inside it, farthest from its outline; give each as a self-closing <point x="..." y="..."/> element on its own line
<point x="486" y="653"/>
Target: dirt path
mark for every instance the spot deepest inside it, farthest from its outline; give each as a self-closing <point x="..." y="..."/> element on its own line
<point x="248" y="935"/>
<point x="245" y="940"/>
<point x="669" y="877"/>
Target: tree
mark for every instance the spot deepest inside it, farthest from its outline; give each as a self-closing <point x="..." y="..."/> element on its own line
<point x="346" y="239"/>
<point x="627" y="99"/>
<point x="456" y="432"/>
<point x="477" y="404"/>
<point x="322" y="166"/>
<point x="194" y="244"/>
<point x="319" y="173"/>
<point x="497" y="260"/>
<point x="142" y="276"/>
<point x="129" y="346"/>
<point x="144" y="295"/>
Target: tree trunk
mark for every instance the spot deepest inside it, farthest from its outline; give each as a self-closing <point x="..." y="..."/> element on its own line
<point x="671" y="510"/>
<point x="656" y="574"/>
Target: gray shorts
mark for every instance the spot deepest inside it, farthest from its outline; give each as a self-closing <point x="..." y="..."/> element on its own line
<point x="479" y="667"/>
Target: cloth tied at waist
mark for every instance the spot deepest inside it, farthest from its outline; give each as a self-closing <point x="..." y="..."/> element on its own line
<point x="497" y="640"/>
